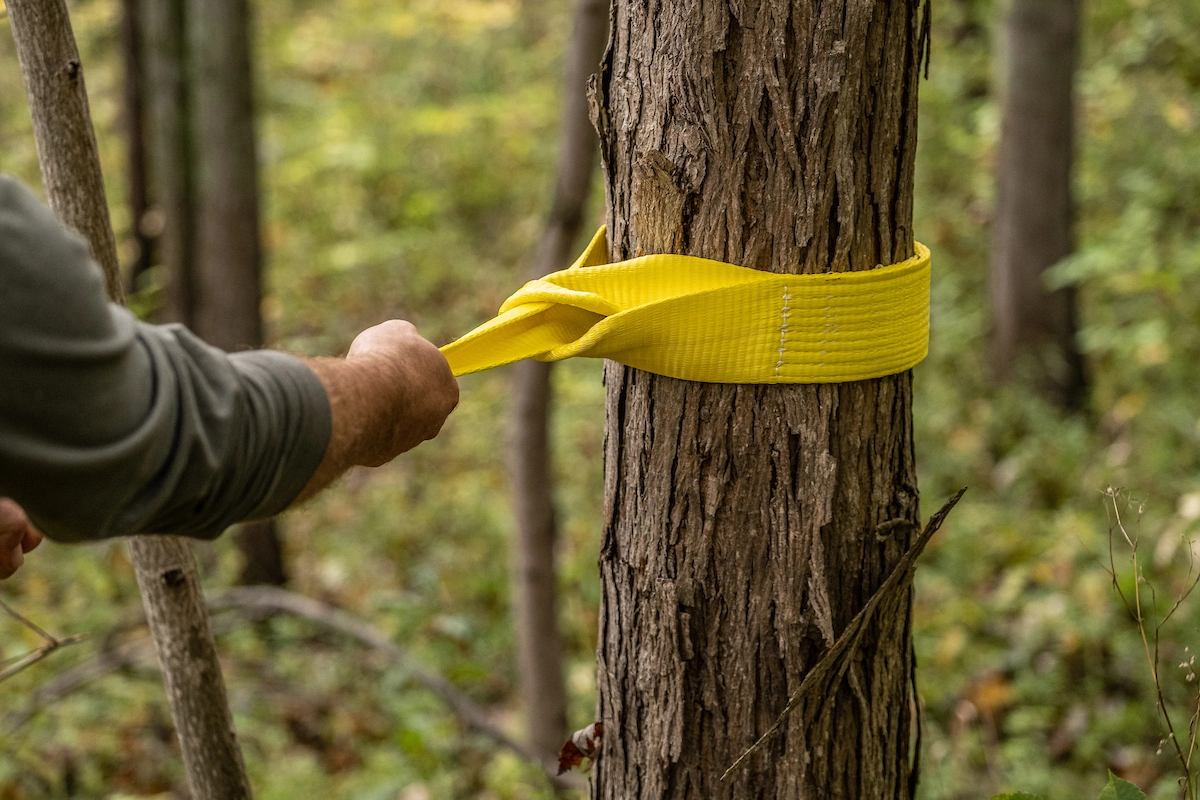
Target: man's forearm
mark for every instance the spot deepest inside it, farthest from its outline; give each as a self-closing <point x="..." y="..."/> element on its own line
<point x="354" y="399"/>
<point x="391" y="392"/>
<point x="109" y="426"/>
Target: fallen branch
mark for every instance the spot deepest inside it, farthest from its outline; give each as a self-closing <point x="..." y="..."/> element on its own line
<point x="822" y="680"/>
<point x="250" y="604"/>
<point x="273" y="600"/>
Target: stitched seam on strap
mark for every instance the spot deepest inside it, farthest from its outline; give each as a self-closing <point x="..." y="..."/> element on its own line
<point x="783" y="328"/>
<point x="829" y="327"/>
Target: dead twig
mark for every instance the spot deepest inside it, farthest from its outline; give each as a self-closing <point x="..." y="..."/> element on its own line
<point x="821" y="681"/>
<point x="113" y="655"/>
<point x="52" y="643"/>
<point x="72" y="680"/>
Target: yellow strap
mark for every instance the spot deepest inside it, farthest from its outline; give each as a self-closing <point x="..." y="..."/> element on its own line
<point x="703" y="320"/>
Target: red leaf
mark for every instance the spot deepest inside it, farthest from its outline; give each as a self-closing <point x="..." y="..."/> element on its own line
<point x="569" y="757"/>
<point x="584" y="743"/>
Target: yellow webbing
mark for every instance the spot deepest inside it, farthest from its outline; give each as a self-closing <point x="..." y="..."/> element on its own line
<point x="704" y="320"/>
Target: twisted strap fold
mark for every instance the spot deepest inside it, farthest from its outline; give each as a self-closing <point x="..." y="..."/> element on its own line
<point x="703" y="320"/>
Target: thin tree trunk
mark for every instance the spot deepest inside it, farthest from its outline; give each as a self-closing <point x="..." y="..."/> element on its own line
<point x="229" y="254"/>
<point x="62" y="127"/>
<point x="539" y="643"/>
<point x="170" y="151"/>
<point x="135" y="134"/>
<point x="166" y="570"/>
<point x="740" y="524"/>
<point x="1034" y="208"/>
<point x="178" y="618"/>
<point x="262" y="553"/>
<point x="228" y="246"/>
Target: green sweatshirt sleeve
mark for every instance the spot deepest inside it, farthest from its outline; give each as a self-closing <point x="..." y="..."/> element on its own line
<point x="109" y="426"/>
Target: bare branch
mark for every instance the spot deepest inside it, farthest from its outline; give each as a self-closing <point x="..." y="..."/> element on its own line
<point x="113" y="655"/>
<point x="824" y="678"/>
<point x="52" y="643"/>
<point x="34" y="656"/>
<point x="12" y="612"/>
<point x="273" y="600"/>
<point x="252" y="604"/>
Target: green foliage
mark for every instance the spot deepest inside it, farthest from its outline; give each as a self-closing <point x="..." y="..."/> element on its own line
<point x="407" y="157"/>
<point x="407" y="154"/>
<point x="1031" y="672"/>
<point x="1115" y="789"/>
<point x="1118" y="789"/>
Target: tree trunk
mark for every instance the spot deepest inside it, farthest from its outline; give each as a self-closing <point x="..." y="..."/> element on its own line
<point x="228" y="247"/>
<point x="539" y="644"/>
<point x="62" y="127"/>
<point x="170" y="151"/>
<point x="135" y="134"/>
<point x="740" y="527"/>
<point x="262" y="553"/>
<point x="178" y="618"/>
<point x="1034" y="209"/>
<point x="166" y="570"/>
<point x="229" y="255"/>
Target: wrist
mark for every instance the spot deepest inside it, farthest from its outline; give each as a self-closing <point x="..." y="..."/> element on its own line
<point x="391" y="392"/>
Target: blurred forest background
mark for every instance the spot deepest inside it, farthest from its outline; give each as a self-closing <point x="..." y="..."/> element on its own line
<point x="407" y="154"/>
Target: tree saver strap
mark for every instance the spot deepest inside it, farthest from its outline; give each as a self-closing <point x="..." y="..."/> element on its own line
<point x="702" y="320"/>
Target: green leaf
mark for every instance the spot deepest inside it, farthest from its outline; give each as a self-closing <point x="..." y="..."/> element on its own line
<point x="1017" y="796"/>
<point x="1118" y="789"/>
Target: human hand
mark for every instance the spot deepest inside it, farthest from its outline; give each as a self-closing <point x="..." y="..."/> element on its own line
<point x="391" y="392"/>
<point x="17" y="537"/>
<point x="418" y="390"/>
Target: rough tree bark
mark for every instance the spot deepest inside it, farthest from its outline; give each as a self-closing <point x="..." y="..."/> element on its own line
<point x="178" y="619"/>
<point x="1034" y="208"/>
<point x="741" y="523"/>
<point x="133" y="113"/>
<point x="539" y="643"/>
<point x="62" y="127"/>
<point x="169" y="142"/>
<point x="227" y="310"/>
<point x="166" y="570"/>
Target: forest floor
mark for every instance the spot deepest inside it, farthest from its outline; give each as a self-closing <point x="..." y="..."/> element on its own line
<point x="395" y="186"/>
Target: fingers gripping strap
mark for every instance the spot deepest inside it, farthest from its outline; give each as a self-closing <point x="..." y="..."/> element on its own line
<point x="703" y="320"/>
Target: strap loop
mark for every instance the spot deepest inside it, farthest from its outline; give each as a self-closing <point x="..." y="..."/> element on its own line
<point x="703" y="320"/>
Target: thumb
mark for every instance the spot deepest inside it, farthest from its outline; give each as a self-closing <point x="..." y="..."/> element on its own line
<point x="10" y="561"/>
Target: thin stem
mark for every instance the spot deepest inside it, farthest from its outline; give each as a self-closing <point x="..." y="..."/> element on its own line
<point x="34" y="656"/>
<point x="12" y="612"/>
<point x="1152" y="654"/>
<point x="52" y="643"/>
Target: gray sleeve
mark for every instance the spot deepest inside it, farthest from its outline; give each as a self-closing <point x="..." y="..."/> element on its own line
<point x="109" y="426"/>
